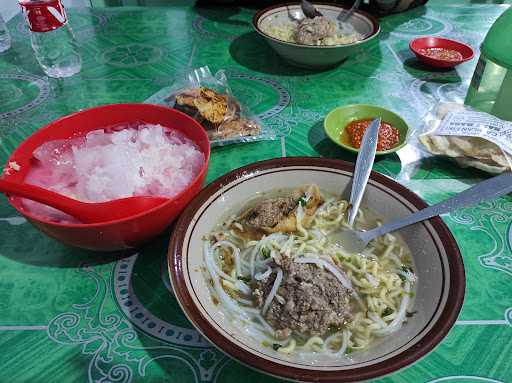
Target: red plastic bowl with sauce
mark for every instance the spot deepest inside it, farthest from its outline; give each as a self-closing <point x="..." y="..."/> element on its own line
<point x="422" y="45"/>
<point x="122" y="233"/>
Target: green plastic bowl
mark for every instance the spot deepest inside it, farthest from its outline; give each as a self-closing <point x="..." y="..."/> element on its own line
<point x="337" y="119"/>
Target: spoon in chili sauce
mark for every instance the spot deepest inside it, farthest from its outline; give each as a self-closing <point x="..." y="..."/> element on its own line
<point x="364" y="163"/>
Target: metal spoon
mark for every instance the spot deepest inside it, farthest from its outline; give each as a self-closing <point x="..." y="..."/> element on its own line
<point x="86" y="212"/>
<point x="355" y="241"/>
<point x="364" y="163"/>
<point x="309" y="9"/>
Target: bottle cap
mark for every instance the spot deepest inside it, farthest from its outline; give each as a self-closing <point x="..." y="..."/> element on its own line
<point x="43" y="15"/>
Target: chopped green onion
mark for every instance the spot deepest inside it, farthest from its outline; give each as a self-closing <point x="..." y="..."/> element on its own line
<point x="276" y="346"/>
<point x="387" y="311"/>
<point x="349" y="350"/>
<point x="302" y="201"/>
<point x="265" y="252"/>
<point x="244" y="279"/>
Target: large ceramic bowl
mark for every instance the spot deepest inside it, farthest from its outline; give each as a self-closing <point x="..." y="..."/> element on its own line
<point x="121" y="233"/>
<point x="440" y="288"/>
<point x="310" y="56"/>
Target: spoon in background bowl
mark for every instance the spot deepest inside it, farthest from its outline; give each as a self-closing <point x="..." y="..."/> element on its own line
<point x="355" y="241"/>
<point x="345" y="15"/>
<point x="86" y="212"/>
<point x="311" y="12"/>
<point x="309" y="9"/>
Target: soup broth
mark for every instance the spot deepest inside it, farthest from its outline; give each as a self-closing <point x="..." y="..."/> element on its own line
<point x="273" y="266"/>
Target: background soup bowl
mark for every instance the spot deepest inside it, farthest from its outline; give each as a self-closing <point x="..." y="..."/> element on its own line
<point x="117" y="234"/>
<point x="312" y="56"/>
<point x="439" y="292"/>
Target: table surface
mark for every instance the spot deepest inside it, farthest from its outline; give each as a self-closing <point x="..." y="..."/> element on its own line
<point x="61" y="315"/>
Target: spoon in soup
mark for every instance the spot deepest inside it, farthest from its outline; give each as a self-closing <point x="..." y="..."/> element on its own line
<point x="355" y="241"/>
<point x="86" y="212"/>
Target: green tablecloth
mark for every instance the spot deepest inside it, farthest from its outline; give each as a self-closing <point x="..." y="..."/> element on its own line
<point x="61" y="319"/>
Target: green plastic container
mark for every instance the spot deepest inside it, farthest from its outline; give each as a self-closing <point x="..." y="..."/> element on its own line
<point x="491" y="87"/>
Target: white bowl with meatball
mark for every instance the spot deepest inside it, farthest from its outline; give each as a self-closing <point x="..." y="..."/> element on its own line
<point x="254" y="268"/>
<point x="317" y="43"/>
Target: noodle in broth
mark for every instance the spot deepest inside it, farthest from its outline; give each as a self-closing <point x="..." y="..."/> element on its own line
<point x="248" y="267"/>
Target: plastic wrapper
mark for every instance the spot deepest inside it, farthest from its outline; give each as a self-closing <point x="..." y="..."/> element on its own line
<point x="470" y="138"/>
<point x="209" y="100"/>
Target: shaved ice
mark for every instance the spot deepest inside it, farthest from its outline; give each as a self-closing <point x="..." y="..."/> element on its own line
<point x="115" y="163"/>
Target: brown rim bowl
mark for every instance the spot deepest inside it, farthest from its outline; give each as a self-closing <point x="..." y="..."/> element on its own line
<point x="438" y="297"/>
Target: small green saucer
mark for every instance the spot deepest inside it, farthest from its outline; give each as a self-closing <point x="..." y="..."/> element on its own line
<point x="337" y="119"/>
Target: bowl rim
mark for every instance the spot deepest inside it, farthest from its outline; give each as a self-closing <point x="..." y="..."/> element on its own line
<point x="371" y="18"/>
<point x="415" y="50"/>
<point x="354" y="150"/>
<point x="440" y="329"/>
<point x="50" y="125"/>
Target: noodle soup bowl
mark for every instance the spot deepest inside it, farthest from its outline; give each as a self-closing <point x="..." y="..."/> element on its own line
<point x="313" y="56"/>
<point x="439" y="291"/>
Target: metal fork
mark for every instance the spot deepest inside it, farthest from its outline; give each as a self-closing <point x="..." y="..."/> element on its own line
<point x="345" y="15"/>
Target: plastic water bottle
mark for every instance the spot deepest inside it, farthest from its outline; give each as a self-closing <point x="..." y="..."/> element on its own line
<point x="5" y="37"/>
<point x="52" y="39"/>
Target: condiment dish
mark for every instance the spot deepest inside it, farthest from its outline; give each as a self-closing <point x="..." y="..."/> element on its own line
<point x="339" y="118"/>
<point x="420" y="43"/>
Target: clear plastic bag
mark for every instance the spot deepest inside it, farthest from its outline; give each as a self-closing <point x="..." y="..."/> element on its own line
<point x="209" y="100"/>
<point x="469" y="137"/>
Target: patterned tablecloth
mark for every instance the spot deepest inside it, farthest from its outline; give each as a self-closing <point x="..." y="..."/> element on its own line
<point x="68" y="315"/>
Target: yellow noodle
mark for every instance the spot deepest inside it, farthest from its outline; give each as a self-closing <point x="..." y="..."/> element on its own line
<point x="381" y="261"/>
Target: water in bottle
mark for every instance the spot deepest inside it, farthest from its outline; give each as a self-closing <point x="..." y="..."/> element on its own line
<point x="51" y="36"/>
<point x="5" y="37"/>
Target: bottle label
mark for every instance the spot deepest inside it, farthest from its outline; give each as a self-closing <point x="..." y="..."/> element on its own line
<point x="478" y="124"/>
<point x="43" y="16"/>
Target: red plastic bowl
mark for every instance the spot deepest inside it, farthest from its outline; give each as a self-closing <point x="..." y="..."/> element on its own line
<point x="437" y="42"/>
<point x="117" y="234"/>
